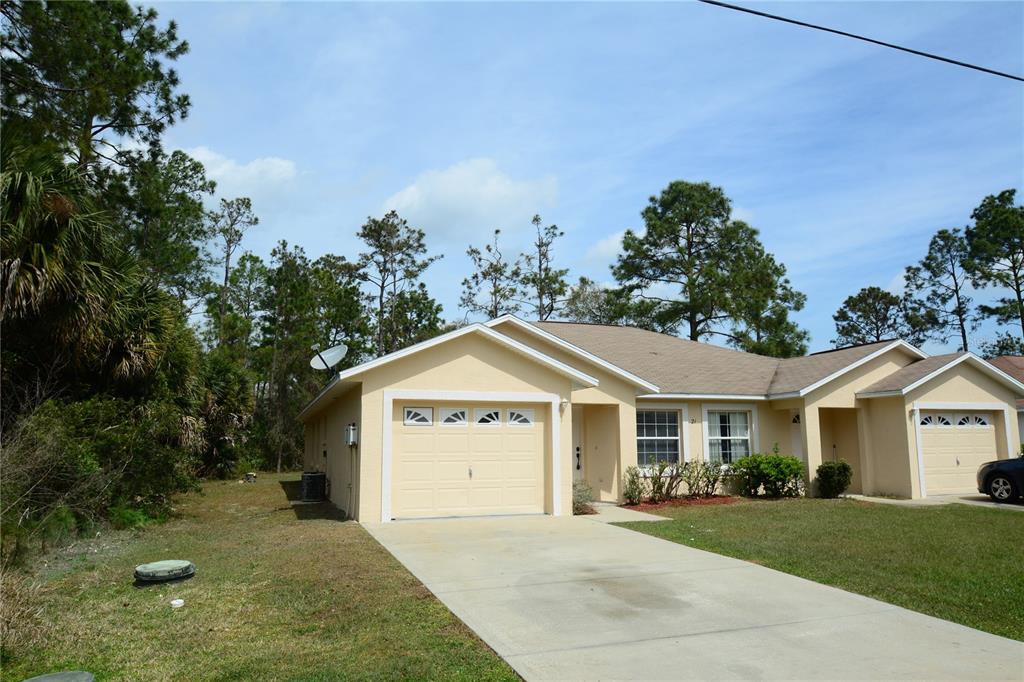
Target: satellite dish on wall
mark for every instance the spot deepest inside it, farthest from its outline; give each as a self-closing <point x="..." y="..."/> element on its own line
<point x="329" y="358"/>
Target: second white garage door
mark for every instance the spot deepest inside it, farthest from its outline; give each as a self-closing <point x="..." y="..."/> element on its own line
<point x="467" y="459"/>
<point x="953" y="445"/>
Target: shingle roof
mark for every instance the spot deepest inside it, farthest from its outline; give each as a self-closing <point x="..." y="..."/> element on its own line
<point x="682" y="366"/>
<point x="675" y="365"/>
<point x="1014" y="366"/>
<point x="906" y="376"/>
<point x="797" y="373"/>
<point x="1011" y="364"/>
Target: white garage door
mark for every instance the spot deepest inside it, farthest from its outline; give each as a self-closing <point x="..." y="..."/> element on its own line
<point x="953" y="445"/>
<point x="467" y="459"/>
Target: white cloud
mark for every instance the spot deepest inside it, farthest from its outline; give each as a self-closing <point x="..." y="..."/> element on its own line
<point x="471" y="198"/>
<point x="256" y="178"/>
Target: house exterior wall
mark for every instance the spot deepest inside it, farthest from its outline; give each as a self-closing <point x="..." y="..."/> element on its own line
<point x="469" y="363"/>
<point x="841" y="393"/>
<point x="966" y="385"/>
<point x="325" y="433"/>
<point x="890" y="461"/>
<point x="618" y="424"/>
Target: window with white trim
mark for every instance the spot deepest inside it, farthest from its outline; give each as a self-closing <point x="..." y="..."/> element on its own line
<point x="963" y="420"/>
<point x="418" y="416"/>
<point x="657" y="437"/>
<point x="981" y="420"/>
<point x="454" y="416"/>
<point x="487" y="416"/>
<point x="728" y="436"/>
<point x="520" y="417"/>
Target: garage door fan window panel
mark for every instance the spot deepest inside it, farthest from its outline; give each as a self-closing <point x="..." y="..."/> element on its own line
<point x="657" y="437"/>
<point x="418" y="416"/>
<point x="454" y="416"/>
<point x="728" y="436"/>
<point x="937" y="420"/>
<point x="520" y="417"/>
<point x="487" y="416"/>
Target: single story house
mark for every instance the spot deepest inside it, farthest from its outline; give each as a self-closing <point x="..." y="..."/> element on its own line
<point x="1014" y="366"/>
<point x="501" y="417"/>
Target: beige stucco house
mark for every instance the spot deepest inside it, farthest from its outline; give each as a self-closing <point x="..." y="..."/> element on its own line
<point x="502" y="417"/>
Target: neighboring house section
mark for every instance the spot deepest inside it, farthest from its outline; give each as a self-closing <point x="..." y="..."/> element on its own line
<point x="503" y="417"/>
<point x="1014" y="366"/>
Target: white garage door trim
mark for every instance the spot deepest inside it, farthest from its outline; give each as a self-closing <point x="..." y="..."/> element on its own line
<point x="468" y="396"/>
<point x="983" y="407"/>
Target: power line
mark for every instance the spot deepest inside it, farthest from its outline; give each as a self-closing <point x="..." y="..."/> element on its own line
<point x="864" y="38"/>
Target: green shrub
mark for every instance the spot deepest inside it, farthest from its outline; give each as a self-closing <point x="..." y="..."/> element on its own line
<point x="701" y="478"/>
<point x="775" y="475"/>
<point x="633" y="486"/>
<point x="834" y="478"/>
<point x="582" y="498"/>
<point x="70" y="464"/>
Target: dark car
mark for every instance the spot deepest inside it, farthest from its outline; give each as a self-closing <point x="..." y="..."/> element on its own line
<point x="1002" y="480"/>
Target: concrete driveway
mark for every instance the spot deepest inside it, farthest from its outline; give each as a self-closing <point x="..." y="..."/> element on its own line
<point x="577" y="599"/>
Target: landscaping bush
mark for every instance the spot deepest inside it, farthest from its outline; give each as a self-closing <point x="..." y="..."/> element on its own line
<point x="776" y="475"/>
<point x="632" y="486"/>
<point x="582" y="498"/>
<point x="71" y="464"/>
<point x="701" y="478"/>
<point x="834" y="478"/>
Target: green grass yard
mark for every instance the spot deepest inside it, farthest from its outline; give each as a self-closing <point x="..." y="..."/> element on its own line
<point x="281" y="593"/>
<point x="960" y="563"/>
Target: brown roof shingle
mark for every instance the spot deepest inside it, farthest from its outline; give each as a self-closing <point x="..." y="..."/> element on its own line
<point x="1011" y="364"/>
<point x="797" y="373"/>
<point x="1014" y="366"/>
<point x="678" y="365"/>
<point x="906" y="376"/>
<point x="675" y="365"/>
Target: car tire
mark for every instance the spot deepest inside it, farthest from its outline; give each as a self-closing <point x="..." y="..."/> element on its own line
<point x="1000" y="488"/>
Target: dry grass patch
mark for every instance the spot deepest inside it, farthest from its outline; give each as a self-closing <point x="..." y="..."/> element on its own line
<point x="281" y="593"/>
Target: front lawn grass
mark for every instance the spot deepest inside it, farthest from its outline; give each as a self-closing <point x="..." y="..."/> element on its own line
<point x="960" y="563"/>
<point x="281" y="593"/>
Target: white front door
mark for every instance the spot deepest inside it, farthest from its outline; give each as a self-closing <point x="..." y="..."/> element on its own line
<point x="577" y="443"/>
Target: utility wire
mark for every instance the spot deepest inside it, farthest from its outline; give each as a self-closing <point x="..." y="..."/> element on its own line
<point x="859" y="37"/>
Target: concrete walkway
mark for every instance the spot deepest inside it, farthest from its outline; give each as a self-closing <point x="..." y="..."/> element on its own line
<point x="576" y="599"/>
<point x="974" y="499"/>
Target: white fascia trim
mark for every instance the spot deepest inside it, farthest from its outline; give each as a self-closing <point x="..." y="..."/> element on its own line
<point x="755" y="443"/>
<point x="699" y="396"/>
<point x="980" y="363"/>
<point x="557" y="365"/>
<point x="576" y="350"/>
<point x="852" y="366"/>
<point x="312" y="403"/>
<point x="477" y="328"/>
<point x="390" y="396"/>
<point x="994" y="407"/>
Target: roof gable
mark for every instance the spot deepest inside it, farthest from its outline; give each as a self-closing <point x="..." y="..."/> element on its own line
<point x="513" y="345"/>
<point x="921" y="372"/>
<point x="799" y="376"/>
<point x="538" y="330"/>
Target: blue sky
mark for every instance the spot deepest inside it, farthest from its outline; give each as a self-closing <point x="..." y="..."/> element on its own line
<point x="469" y="117"/>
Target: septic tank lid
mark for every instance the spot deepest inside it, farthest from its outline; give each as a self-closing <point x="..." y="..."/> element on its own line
<point x="159" y="571"/>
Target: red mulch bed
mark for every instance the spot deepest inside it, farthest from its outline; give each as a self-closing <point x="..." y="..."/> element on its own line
<point x="684" y="502"/>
